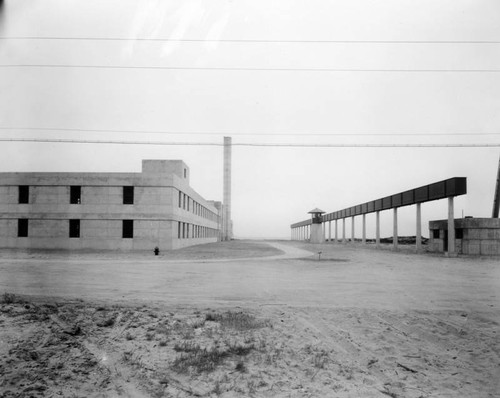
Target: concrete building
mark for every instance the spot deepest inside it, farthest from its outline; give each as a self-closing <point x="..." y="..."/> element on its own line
<point x="473" y="236"/>
<point x="115" y="211"/>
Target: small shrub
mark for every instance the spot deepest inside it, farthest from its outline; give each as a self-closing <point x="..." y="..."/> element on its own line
<point x="8" y="298"/>
<point x="200" y="359"/>
<point x="235" y="320"/>
<point x="240" y="367"/>
<point x="149" y="336"/>
<point x="129" y="336"/>
<point x="163" y="343"/>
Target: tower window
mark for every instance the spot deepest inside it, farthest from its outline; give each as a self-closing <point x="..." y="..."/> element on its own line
<point x="128" y="229"/>
<point x="22" y="228"/>
<point x="24" y="194"/>
<point x="75" y="195"/>
<point x="128" y="195"/>
<point x="74" y="228"/>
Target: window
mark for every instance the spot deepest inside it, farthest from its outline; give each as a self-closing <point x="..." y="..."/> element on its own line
<point x="435" y="233"/>
<point x="185" y="173"/>
<point x="75" y="195"/>
<point x="180" y="199"/>
<point x="74" y="228"/>
<point x="128" y="195"/>
<point x="459" y="233"/>
<point x="22" y="228"/>
<point x="184" y="201"/>
<point x="128" y="229"/>
<point x="24" y="194"/>
<point x="179" y="228"/>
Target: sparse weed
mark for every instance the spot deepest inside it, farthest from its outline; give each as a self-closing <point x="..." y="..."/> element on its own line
<point x="8" y="298"/>
<point x="129" y="336"/>
<point x="240" y="367"/>
<point x="201" y="360"/>
<point x="162" y="343"/>
<point x="235" y="320"/>
<point x="149" y="336"/>
<point x="320" y="359"/>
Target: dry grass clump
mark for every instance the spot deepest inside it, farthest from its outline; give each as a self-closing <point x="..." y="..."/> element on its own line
<point x="235" y="320"/>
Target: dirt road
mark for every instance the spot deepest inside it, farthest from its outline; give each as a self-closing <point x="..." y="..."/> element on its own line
<point x="360" y="322"/>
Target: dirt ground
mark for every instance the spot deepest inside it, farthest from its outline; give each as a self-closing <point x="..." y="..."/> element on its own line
<point x="359" y="322"/>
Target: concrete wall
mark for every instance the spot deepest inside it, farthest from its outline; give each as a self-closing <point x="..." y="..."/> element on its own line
<point x="481" y="236"/>
<point x="155" y="211"/>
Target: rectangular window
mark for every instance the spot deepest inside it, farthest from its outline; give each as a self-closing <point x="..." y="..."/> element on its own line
<point x="187" y="233"/>
<point x="128" y="229"/>
<point x="128" y="195"/>
<point x="184" y="201"/>
<point x="189" y="201"/>
<point x="22" y="228"/>
<point x="459" y="233"/>
<point x="180" y="199"/>
<point x="179" y="230"/>
<point x="74" y="228"/>
<point x="435" y="233"/>
<point x="75" y="195"/>
<point x="24" y="194"/>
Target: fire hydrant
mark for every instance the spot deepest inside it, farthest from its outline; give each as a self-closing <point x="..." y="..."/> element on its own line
<point x="157" y="251"/>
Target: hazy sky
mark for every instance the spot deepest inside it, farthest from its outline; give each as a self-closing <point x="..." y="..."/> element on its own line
<point x="273" y="186"/>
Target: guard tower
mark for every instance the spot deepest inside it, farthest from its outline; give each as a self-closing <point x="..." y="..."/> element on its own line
<point x="317" y="235"/>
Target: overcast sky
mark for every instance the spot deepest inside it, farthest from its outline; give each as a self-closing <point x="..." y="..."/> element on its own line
<point x="272" y="186"/>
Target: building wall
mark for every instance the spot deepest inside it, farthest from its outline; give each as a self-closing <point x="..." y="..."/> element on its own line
<point x="480" y="236"/>
<point x="156" y="211"/>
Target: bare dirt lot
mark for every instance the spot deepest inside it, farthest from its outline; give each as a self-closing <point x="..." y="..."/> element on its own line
<point x="217" y="320"/>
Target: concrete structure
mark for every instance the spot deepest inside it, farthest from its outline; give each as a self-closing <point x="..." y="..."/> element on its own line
<point x="317" y="231"/>
<point x="439" y="190"/>
<point x="227" y="225"/>
<point x="115" y="211"/>
<point x="473" y="236"/>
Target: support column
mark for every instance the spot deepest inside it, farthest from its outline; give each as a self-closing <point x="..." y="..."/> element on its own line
<point x="377" y="230"/>
<point x="419" y="229"/>
<point x="451" y="228"/>
<point x="329" y="231"/>
<point x="336" y="231"/>
<point x="343" y="230"/>
<point x="364" y="229"/>
<point x="395" y="230"/>
<point x="352" y="229"/>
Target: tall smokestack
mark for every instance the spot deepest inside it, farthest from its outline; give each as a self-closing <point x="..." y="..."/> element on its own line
<point x="227" y="232"/>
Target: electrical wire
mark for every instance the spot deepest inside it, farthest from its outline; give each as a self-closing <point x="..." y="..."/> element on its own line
<point x="340" y="134"/>
<point x="283" y="145"/>
<point x="248" y="69"/>
<point x="249" y="41"/>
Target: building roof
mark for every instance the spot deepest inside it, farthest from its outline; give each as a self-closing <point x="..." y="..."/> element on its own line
<point x="316" y="210"/>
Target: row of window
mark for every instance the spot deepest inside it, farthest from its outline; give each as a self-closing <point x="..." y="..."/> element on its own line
<point x="74" y="228"/>
<point x="189" y="204"/>
<point x="75" y="194"/>
<point x="186" y="231"/>
<point x="459" y="233"/>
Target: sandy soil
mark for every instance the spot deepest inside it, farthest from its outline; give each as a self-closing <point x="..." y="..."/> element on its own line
<point x="358" y="323"/>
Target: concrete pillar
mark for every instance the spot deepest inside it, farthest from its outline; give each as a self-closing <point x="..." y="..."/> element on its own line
<point x="227" y="230"/>
<point x="395" y="229"/>
<point x="451" y="228"/>
<point x="317" y="234"/>
<point x="419" y="228"/>
<point x="336" y="231"/>
<point x="330" y="231"/>
<point x="364" y="229"/>
<point x="343" y="230"/>
<point x="352" y="229"/>
<point x="377" y="230"/>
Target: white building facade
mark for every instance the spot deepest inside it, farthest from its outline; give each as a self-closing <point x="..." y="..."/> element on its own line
<point x="106" y="211"/>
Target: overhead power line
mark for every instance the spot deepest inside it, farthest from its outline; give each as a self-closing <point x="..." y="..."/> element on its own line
<point x="249" y="69"/>
<point x="250" y="41"/>
<point x="220" y="133"/>
<point x="289" y="145"/>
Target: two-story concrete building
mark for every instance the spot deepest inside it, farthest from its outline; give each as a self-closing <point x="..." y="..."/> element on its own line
<point x="115" y="211"/>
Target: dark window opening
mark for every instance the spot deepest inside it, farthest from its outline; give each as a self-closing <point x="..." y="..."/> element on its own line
<point x="22" y="228"/>
<point x="185" y="173"/>
<point x="179" y="227"/>
<point x="180" y="199"/>
<point x="435" y="233"/>
<point x="74" y="228"/>
<point x="128" y="229"/>
<point x="459" y="233"/>
<point x="24" y="194"/>
<point x="75" y="195"/>
<point x="128" y="195"/>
